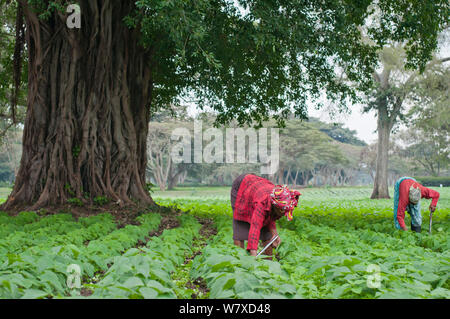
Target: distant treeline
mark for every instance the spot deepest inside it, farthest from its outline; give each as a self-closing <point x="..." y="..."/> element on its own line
<point x="312" y="153"/>
<point x="434" y="181"/>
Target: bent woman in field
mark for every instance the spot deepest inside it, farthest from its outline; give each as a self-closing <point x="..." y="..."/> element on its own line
<point x="257" y="204"/>
<point x="407" y="195"/>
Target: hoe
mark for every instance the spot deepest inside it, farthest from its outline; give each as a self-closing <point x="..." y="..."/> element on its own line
<point x="431" y="222"/>
<point x="267" y="246"/>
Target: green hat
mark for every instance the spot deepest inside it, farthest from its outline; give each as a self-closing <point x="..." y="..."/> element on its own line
<point x="414" y="195"/>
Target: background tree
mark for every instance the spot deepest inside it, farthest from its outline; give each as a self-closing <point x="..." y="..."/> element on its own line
<point x="10" y="151"/>
<point x="425" y="151"/>
<point x="428" y="135"/>
<point x="160" y="165"/>
<point x="13" y="75"/>
<point x="91" y="90"/>
<point x="394" y="87"/>
<point x="338" y="132"/>
<point x="348" y="171"/>
<point x="368" y="160"/>
<point x="306" y="152"/>
<point x="11" y="117"/>
<point x="398" y="164"/>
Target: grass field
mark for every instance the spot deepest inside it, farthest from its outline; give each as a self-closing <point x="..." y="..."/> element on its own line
<point x="4" y="192"/>
<point x="339" y="245"/>
<point x="339" y="196"/>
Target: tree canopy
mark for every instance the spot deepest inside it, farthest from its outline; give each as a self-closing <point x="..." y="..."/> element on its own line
<point x="249" y="60"/>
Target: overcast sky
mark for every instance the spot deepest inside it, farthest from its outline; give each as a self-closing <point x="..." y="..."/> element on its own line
<point x="366" y="124"/>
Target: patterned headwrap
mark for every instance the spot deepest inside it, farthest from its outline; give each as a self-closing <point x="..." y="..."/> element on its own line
<point x="285" y="199"/>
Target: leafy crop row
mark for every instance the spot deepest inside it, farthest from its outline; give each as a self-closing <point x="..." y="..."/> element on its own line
<point x="330" y="251"/>
<point x="9" y="224"/>
<point x="146" y="272"/>
<point x="42" y="270"/>
<point x="54" y="230"/>
<point x="231" y="273"/>
<point x="325" y="264"/>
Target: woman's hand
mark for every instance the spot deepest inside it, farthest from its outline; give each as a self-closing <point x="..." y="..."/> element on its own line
<point x="253" y="252"/>
<point x="277" y="242"/>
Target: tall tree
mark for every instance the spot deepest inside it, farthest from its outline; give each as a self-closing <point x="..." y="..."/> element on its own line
<point x="91" y="89"/>
<point x="398" y="165"/>
<point x="392" y="93"/>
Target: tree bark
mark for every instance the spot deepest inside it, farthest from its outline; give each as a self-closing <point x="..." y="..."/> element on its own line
<point x="89" y="95"/>
<point x="295" y="179"/>
<point x="175" y="177"/>
<point x="314" y="174"/>
<point x="288" y="177"/>
<point x="380" y="187"/>
<point x="306" y="176"/>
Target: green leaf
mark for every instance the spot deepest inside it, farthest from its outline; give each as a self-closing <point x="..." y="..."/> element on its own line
<point x="429" y="277"/>
<point x="221" y="265"/>
<point x="357" y="290"/>
<point x="161" y="275"/>
<point x="245" y="282"/>
<point x="441" y="293"/>
<point x="339" y="291"/>
<point x="34" y="294"/>
<point x="224" y="294"/>
<point x="316" y="267"/>
<point x="158" y="286"/>
<point x="148" y="293"/>
<point x="287" y="289"/>
<point x="143" y="269"/>
<point x="133" y="282"/>
<point x="337" y="272"/>
<point x="399" y="294"/>
<point x="221" y="284"/>
<point x="249" y="294"/>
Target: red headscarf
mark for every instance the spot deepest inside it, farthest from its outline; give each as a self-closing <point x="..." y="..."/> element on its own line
<point x="285" y="199"/>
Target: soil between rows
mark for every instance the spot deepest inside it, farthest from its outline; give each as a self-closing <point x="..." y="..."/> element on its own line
<point x="127" y="216"/>
<point x="167" y="222"/>
<point x="208" y="230"/>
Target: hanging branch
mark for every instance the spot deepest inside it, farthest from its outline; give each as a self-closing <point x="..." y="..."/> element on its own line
<point x="18" y="52"/>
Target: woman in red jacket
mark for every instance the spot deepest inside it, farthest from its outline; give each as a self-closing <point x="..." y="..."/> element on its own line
<point x="257" y="204"/>
<point x="407" y="195"/>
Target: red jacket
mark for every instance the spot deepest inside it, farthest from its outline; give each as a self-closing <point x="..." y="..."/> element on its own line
<point x="404" y="198"/>
<point x="253" y="205"/>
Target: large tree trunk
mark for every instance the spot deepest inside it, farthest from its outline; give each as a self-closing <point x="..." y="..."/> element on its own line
<point x="380" y="187"/>
<point x="88" y="110"/>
